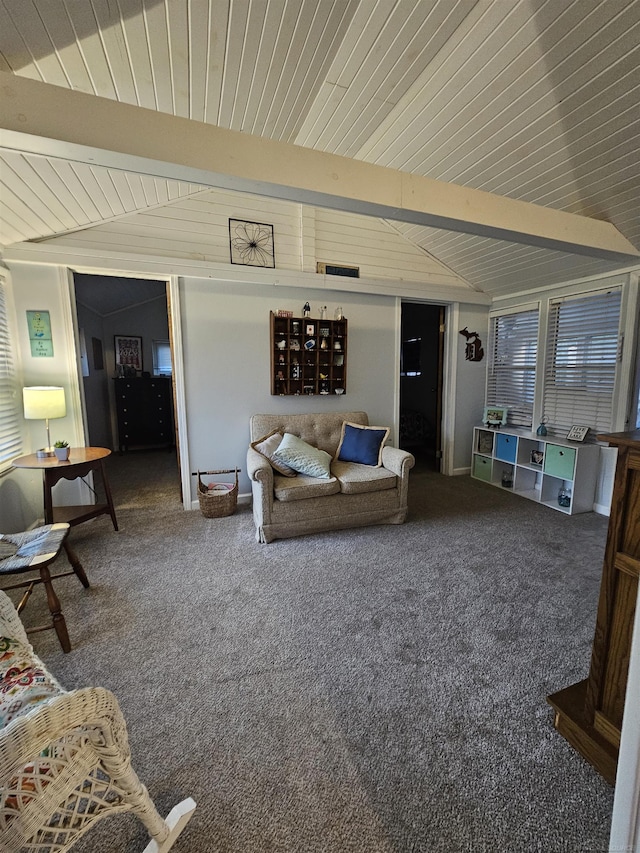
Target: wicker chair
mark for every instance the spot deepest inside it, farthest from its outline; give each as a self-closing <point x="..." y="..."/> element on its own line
<point x="64" y="757"/>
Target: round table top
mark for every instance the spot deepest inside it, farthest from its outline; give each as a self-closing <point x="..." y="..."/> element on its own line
<point x="77" y="455"/>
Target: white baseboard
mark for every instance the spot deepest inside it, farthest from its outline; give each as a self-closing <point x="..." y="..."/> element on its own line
<point x="601" y="509"/>
<point x="461" y="472"/>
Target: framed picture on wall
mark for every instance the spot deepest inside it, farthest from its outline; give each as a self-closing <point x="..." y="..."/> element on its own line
<point x="128" y="351"/>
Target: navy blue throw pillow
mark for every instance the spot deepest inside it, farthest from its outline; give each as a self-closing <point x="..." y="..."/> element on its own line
<point x="362" y="444"/>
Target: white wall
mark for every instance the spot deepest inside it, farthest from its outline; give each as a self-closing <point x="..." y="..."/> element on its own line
<point x="42" y="288"/>
<point x="226" y="349"/>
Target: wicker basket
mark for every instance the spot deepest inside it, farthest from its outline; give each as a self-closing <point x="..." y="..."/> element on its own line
<point x="221" y="503"/>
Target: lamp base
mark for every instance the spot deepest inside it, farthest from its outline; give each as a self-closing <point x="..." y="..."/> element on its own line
<point x="45" y="452"/>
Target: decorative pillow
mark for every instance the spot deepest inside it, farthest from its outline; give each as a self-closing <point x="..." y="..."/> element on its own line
<point x="267" y="446"/>
<point x="362" y="444"/>
<point x="304" y="458"/>
<point x="23" y="681"/>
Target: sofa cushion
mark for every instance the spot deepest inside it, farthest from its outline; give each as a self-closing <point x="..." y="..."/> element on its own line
<point x="24" y="682"/>
<point x="362" y="444"/>
<point x="302" y="457"/>
<point x="355" y="479"/>
<point x="266" y="446"/>
<point x="286" y="489"/>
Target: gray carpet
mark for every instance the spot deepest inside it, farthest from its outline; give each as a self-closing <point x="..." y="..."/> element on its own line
<point x="368" y="691"/>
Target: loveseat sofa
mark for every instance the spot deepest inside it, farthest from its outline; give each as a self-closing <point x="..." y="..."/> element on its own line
<point x="353" y="495"/>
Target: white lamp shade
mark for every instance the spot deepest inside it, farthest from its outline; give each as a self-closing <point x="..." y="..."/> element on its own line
<point x="43" y="401"/>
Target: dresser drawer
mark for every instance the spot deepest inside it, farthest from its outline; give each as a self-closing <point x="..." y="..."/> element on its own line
<point x="560" y="461"/>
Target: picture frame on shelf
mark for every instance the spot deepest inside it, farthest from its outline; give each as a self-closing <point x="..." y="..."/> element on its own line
<point x="128" y="352"/>
<point x="577" y="433"/>
<point x="495" y="416"/>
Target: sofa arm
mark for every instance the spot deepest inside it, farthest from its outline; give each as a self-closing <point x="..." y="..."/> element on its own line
<point x="259" y="469"/>
<point x="398" y="461"/>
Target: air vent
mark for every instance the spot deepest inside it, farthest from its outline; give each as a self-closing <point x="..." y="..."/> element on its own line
<point x="332" y="269"/>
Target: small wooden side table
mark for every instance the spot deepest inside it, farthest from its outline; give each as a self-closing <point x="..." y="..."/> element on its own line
<point x="81" y="461"/>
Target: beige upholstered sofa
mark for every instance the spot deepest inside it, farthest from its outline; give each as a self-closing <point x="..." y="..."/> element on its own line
<point x="354" y="495"/>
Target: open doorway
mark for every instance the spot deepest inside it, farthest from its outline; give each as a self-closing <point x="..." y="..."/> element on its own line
<point x="421" y="371"/>
<point x="124" y="340"/>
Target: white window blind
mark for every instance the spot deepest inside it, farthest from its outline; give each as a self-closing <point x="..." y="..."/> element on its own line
<point x="513" y="349"/>
<point x="583" y="347"/>
<point x="161" y="358"/>
<point x="10" y="432"/>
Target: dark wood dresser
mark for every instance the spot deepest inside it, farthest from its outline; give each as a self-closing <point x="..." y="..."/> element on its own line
<point x="145" y="412"/>
<point x="589" y="714"/>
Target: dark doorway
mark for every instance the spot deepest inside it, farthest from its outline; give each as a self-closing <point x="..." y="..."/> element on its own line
<point x="421" y="359"/>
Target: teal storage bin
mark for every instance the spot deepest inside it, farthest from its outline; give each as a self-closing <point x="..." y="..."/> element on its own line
<point x="560" y="461"/>
<point x="482" y="468"/>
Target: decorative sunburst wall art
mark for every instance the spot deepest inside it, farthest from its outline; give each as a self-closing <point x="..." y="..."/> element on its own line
<point x="251" y="243"/>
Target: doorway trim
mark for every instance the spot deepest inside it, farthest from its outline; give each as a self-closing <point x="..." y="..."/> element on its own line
<point x="172" y="283"/>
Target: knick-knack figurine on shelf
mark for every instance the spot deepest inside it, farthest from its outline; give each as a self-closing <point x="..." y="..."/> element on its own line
<point x="542" y="430"/>
<point x="323" y="312"/>
<point x="306" y="311"/>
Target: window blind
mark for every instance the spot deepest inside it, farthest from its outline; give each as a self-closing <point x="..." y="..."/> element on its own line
<point x="10" y="429"/>
<point x="513" y="349"/>
<point x="583" y="349"/>
<point x="161" y="358"/>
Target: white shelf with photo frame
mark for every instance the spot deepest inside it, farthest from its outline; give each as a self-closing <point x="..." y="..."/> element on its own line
<point x="556" y="472"/>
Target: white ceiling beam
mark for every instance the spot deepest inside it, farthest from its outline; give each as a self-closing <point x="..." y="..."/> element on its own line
<point x="52" y="121"/>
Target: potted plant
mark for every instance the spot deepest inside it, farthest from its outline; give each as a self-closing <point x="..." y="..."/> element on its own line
<point x="61" y="449"/>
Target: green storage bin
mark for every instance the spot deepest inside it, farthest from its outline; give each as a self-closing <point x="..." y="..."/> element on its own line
<point x="482" y="468"/>
<point x="560" y="461"/>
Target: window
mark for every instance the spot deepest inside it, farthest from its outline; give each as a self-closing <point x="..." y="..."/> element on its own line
<point x="10" y="425"/>
<point x="513" y="350"/>
<point x="583" y="351"/>
<point x="161" y="358"/>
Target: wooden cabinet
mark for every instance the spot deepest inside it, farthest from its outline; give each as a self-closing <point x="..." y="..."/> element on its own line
<point x="308" y="356"/>
<point x="589" y="714"/>
<point x="145" y="412"/>
<point x="557" y="473"/>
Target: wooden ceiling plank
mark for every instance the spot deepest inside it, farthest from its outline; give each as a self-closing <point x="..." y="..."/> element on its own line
<point x="91" y="47"/>
<point x="63" y="37"/>
<point x="33" y="176"/>
<point x="137" y="46"/>
<point x="157" y="48"/>
<point x="55" y="121"/>
<point x="179" y="58"/>
<point x="116" y="52"/>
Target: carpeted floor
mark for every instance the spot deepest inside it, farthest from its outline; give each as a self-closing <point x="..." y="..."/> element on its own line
<point x="379" y="690"/>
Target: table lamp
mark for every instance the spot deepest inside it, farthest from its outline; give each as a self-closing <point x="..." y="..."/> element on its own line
<point x="42" y="402"/>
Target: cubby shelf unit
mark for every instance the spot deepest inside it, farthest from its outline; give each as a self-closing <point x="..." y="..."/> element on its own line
<point x="537" y="468"/>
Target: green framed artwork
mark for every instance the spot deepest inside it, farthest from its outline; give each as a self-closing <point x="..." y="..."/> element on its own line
<point x="40" y="338"/>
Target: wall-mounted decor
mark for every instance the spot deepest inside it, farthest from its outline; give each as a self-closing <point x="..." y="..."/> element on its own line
<point x="251" y="243"/>
<point x="128" y="351"/>
<point x="40" y="338"/>
<point x="473" y="350"/>
<point x="308" y="356"/>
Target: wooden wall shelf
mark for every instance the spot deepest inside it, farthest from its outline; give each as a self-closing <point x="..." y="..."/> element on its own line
<point x="308" y="356"/>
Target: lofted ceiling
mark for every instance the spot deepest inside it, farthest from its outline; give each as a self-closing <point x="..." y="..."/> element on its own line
<point x="535" y="100"/>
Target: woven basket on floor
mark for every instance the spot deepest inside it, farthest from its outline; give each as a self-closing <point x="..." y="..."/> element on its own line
<point x="219" y="503"/>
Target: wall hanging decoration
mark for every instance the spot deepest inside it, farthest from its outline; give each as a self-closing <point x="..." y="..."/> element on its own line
<point x="40" y="338"/>
<point x="251" y="243"/>
<point x="128" y="352"/>
<point x="473" y="350"/>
